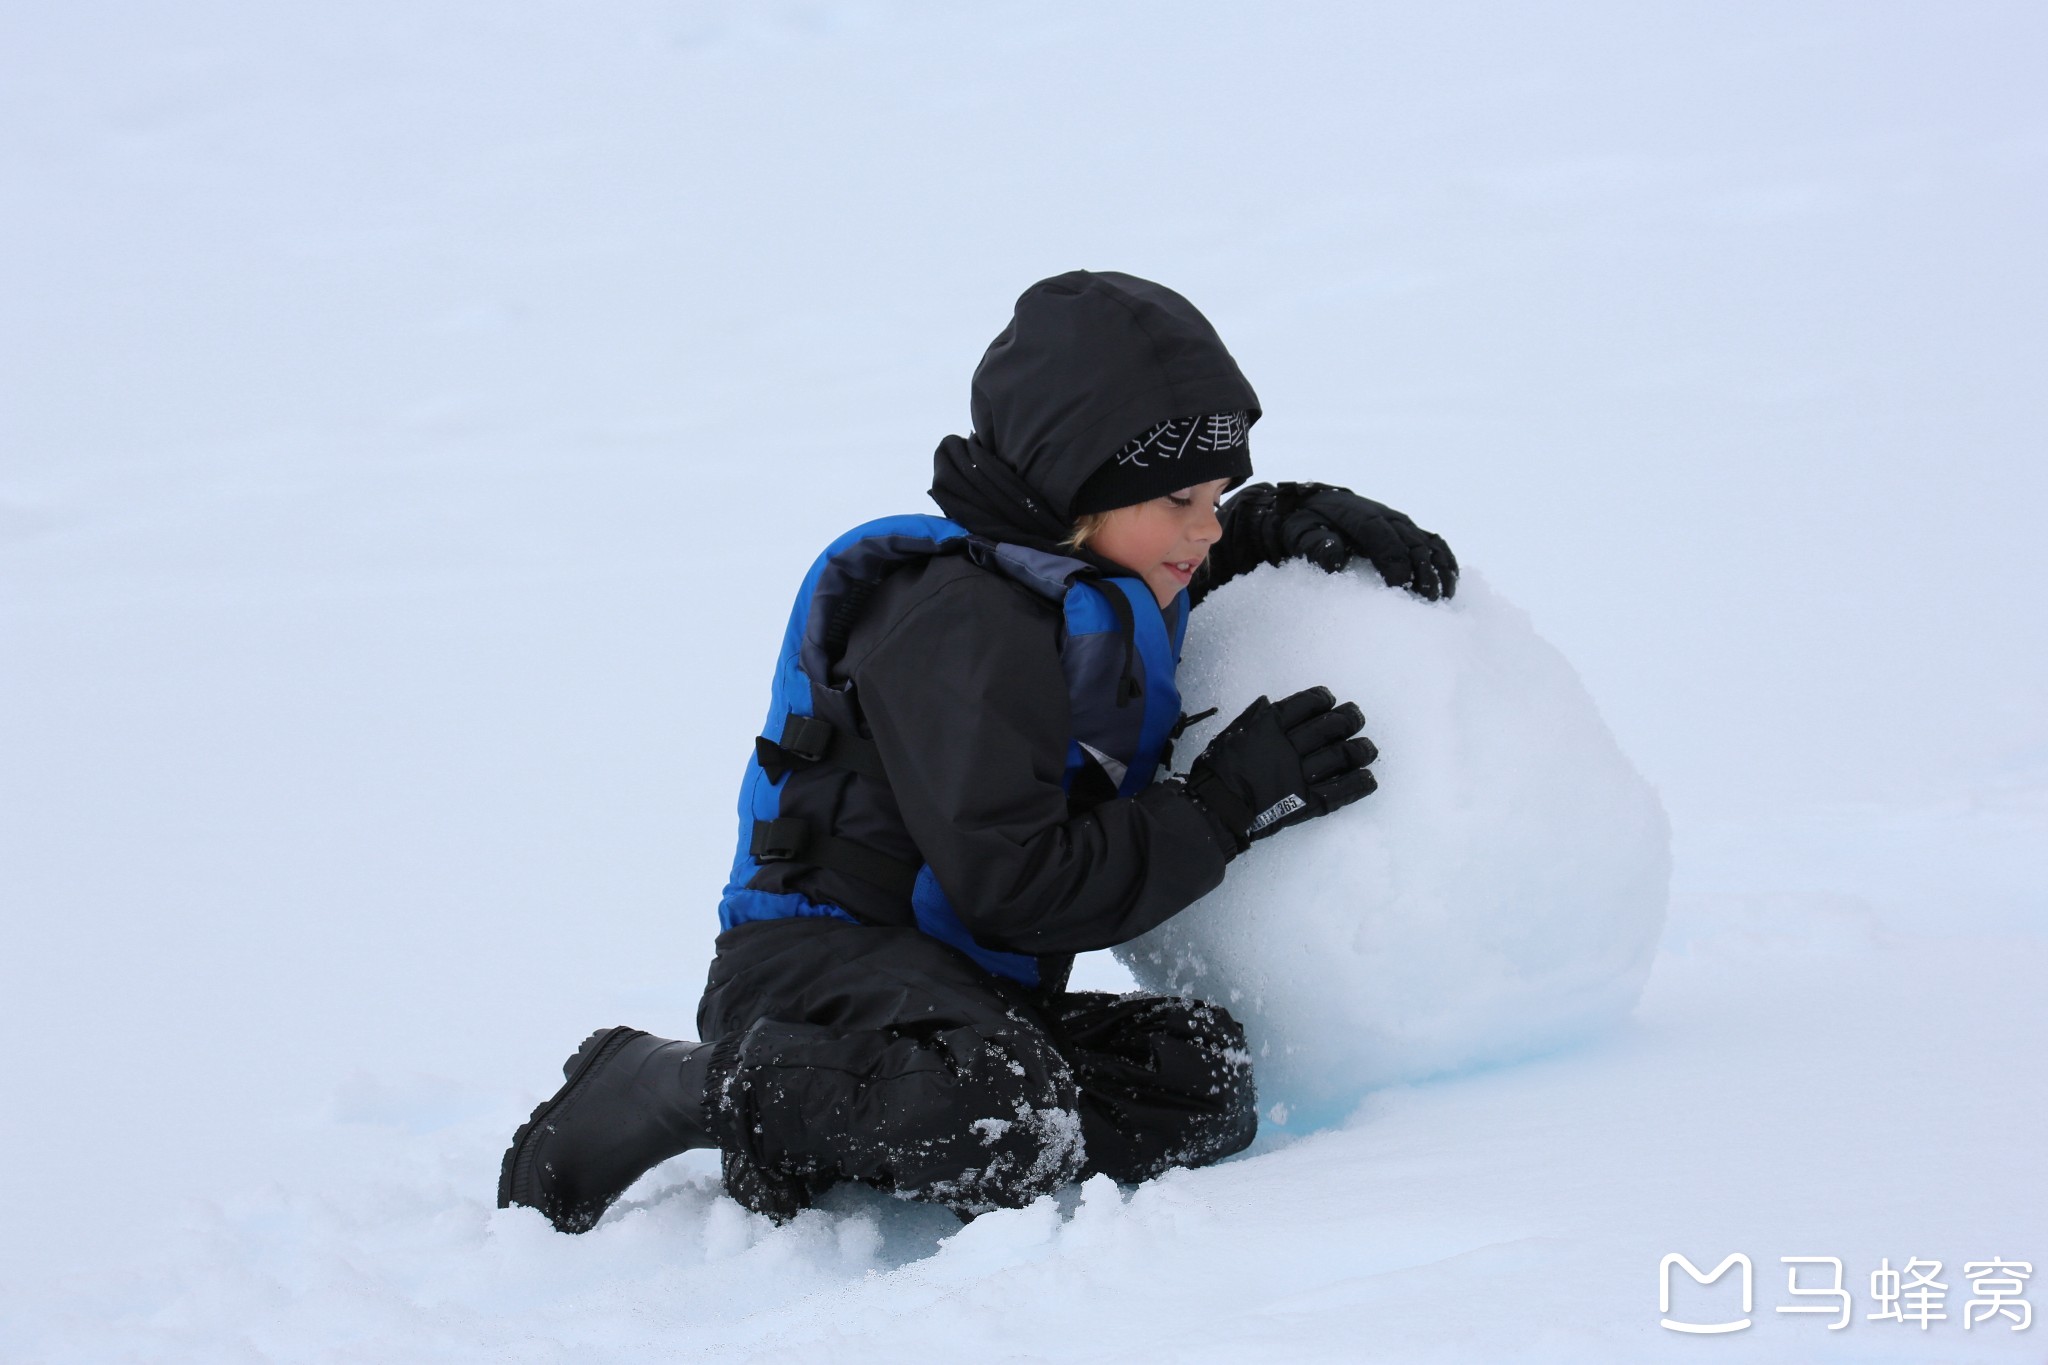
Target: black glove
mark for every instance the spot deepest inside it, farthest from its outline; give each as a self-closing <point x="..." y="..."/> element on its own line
<point x="1327" y="525"/>
<point x="1281" y="763"/>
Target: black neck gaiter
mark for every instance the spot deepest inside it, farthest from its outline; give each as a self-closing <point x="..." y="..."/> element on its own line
<point x="978" y="490"/>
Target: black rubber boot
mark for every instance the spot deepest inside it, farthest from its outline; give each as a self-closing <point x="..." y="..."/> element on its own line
<point x="630" y="1102"/>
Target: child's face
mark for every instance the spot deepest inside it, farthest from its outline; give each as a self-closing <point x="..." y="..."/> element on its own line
<point x="1164" y="540"/>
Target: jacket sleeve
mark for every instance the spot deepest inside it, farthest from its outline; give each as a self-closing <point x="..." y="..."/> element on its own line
<point x="968" y="706"/>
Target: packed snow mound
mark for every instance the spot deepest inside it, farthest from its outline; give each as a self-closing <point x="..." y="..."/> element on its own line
<point x="1501" y="893"/>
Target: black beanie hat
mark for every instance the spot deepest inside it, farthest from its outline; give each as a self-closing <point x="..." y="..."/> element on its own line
<point x="1090" y="360"/>
<point x="1177" y="453"/>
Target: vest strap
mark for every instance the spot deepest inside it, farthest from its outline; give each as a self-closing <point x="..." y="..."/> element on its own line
<point x="813" y="739"/>
<point x="1128" y="688"/>
<point x="790" y="840"/>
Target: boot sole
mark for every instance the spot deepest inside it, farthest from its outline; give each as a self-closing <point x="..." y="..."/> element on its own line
<point x="516" y="1176"/>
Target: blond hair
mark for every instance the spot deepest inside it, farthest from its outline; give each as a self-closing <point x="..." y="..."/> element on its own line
<point x="1085" y="527"/>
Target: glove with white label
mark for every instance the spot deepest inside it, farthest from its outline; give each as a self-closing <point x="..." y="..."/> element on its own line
<point x="1281" y="763"/>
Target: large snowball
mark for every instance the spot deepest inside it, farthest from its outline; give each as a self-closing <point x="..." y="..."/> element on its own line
<point x="1500" y="894"/>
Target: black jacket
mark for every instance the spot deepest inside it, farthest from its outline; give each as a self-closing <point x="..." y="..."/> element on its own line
<point x="956" y="670"/>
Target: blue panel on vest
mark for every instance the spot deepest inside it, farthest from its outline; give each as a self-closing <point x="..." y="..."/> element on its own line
<point x="745" y="906"/>
<point x="937" y="917"/>
<point x="1086" y="612"/>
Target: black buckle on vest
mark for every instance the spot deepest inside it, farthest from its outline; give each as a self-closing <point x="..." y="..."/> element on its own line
<point x="813" y="739"/>
<point x="808" y="737"/>
<point x="805" y="740"/>
<point x="780" y="841"/>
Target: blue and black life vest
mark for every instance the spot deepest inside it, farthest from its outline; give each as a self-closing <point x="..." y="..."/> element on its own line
<point x="1117" y="650"/>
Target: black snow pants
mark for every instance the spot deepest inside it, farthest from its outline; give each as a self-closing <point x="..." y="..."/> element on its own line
<point x="880" y="1055"/>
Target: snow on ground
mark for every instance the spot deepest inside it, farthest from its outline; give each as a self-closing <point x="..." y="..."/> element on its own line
<point x="414" y="418"/>
<point x="1771" y="1097"/>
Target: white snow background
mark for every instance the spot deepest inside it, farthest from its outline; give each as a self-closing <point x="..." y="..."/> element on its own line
<point x="414" y="418"/>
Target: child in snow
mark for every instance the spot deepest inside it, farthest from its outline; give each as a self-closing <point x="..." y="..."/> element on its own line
<point x="955" y="792"/>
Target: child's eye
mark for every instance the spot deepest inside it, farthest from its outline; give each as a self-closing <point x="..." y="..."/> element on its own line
<point x="1178" y="501"/>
